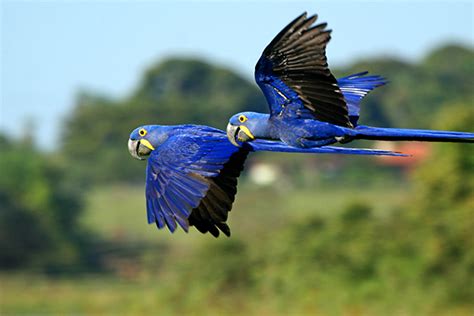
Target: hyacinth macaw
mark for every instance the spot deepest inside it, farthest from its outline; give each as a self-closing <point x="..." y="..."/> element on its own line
<point x="308" y="106"/>
<point x="192" y="171"/>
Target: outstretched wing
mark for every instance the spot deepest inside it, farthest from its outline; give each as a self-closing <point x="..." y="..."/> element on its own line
<point x="355" y="87"/>
<point x="191" y="180"/>
<point x="293" y="72"/>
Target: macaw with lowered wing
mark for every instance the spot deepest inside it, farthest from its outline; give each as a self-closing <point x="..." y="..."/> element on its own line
<point x="192" y="171"/>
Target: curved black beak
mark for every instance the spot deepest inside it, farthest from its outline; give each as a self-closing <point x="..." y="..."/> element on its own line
<point x="237" y="134"/>
<point x="138" y="149"/>
<point x="232" y="132"/>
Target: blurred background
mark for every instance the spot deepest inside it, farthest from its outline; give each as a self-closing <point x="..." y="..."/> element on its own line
<point x="311" y="235"/>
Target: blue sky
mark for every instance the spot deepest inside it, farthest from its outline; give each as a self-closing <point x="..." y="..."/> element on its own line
<point x="51" y="50"/>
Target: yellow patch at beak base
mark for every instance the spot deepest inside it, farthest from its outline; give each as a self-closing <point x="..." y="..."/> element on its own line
<point x="147" y="144"/>
<point x="246" y="131"/>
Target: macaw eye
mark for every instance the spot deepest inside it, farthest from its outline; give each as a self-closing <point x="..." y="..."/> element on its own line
<point x="142" y="132"/>
<point x="242" y="118"/>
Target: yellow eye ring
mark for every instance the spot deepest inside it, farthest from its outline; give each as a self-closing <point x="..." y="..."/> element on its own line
<point x="242" y="118"/>
<point x="142" y="132"/>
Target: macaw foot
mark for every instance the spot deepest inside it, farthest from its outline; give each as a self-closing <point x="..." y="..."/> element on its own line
<point x="344" y="139"/>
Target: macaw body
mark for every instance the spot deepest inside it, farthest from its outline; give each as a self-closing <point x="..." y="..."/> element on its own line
<point x="309" y="107"/>
<point x="192" y="172"/>
<point x="191" y="175"/>
<point x="310" y="133"/>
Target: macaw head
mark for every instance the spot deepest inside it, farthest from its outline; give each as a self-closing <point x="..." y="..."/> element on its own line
<point x="143" y="140"/>
<point x="246" y="126"/>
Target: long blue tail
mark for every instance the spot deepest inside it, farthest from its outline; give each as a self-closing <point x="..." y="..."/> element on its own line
<point x="378" y="133"/>
<point x="355" y="87"/>
<point x="277" y="146"/>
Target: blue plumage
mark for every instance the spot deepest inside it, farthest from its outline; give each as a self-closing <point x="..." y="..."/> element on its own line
<point x="354" y="88"/>
<point x="192" y="172"/>
<point x="182" y="160"/>
<point x="309" y="107"/>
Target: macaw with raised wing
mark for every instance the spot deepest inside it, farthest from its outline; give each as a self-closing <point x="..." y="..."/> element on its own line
<point x="308" y="106"/>
<point x="192" y="171"/>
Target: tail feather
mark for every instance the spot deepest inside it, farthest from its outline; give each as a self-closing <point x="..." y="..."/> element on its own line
<point x="277" y="146"/>
<point x="377" y="133"/>
<point x="355" y="87"/>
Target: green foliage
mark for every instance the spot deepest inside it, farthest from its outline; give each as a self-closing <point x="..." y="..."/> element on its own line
<point x="444" y="203"/>
<point x="39" y="212"/>
<point x="95" y="142"/>
<point x="416" y="92"/>
<point x="447" y="177"/>
<point x="180" y="91"/>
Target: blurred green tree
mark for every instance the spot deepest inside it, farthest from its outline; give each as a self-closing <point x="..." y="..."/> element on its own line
<point x="443" y="209"/>
<point x="39" y="212"/>
<point x="416" y="91"/>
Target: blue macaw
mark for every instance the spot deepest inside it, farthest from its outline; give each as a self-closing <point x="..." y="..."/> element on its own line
<point x="192" y="171"/>
<point x="308" y="106"/>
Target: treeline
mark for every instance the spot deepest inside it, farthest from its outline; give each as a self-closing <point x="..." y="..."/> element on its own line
<point x="39" y="210"/>
<point x="178" y="91"/>
<point x="41" y="194"/>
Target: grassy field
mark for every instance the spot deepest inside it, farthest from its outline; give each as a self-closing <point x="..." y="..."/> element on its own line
<point x="151" y="295"/>
<point x="118" y="214"/>
<point x="170" y="276"/>
<point x="255" y="272"/>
